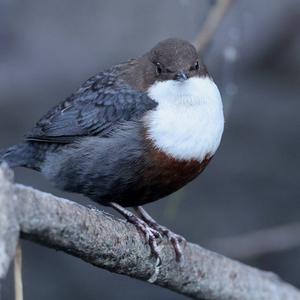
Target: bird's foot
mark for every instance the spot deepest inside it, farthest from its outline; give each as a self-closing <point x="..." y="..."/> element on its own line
<point x="175" y="239"/>
<point x="150" y="233"/>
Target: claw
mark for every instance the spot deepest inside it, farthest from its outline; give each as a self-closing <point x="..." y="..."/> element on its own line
<point x="174" y="238"/>
<point x="150" y="233"/>
<point x="156" y="233"/>
<point x="176" y="244"/>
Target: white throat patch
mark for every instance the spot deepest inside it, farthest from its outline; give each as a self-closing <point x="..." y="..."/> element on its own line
<point x="188" y="122"/>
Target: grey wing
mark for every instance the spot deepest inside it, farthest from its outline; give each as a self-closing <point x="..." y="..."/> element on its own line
<point x="95" y="109"/>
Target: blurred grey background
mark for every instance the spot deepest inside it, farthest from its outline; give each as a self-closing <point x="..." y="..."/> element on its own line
<point x="48" y="48"/>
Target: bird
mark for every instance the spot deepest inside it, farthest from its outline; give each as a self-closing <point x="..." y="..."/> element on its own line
<point x="130" y="135"/>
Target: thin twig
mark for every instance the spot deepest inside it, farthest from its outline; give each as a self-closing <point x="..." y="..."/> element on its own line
<point x="18" y="273"/>
<point x="211" y="24"/>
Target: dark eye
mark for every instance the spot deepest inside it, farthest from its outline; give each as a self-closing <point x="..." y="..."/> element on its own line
<point x="158" y="69"/>
<point x="195" y="66"/>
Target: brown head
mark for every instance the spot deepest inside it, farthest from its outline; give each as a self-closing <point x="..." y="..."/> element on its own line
<point x="170" y="59"/>
<point x="175" y="59"/>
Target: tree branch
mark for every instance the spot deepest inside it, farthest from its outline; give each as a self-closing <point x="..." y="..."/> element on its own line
<point x="9" y="225"/>
<point x="211" y="24"/>
<point x="107" y="242"/>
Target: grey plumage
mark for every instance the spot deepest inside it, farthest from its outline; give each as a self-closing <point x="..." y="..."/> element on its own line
<point x="17" y="155"/>
<point x="27" y="154"/>
<point x="94" y="142"/>
<point x="91" y="143"/>
<point x="104" y="169"/>
<point x="96" y="108"/>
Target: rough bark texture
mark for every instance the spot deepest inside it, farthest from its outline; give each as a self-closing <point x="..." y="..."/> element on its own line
<point x="9" y="225"/>
<point x="115" y="245"/>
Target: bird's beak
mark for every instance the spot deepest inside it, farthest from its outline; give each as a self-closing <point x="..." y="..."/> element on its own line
<point x="181" y="76"/>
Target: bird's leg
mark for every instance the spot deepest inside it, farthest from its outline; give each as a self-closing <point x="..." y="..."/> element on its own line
<point x="174" y="238"/>
<point x="150" y="232"/>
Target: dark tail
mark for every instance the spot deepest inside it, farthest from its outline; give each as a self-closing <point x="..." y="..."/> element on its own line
<point x="21" y="155"/>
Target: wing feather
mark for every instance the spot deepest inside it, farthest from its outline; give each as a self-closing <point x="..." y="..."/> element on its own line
<point x="95" y="109"/>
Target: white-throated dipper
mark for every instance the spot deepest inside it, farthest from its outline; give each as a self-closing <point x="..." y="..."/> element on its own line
<point x="131" y="135"/>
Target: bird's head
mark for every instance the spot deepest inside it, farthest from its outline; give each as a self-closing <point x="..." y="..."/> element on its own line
<point x="174" y="59"/>
<point x="173" y="72"/>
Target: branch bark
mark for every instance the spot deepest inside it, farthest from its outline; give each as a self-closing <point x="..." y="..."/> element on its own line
<point x="9" y="225"/>
<point x="107" y="242"/>
<point x="211" y="24"/>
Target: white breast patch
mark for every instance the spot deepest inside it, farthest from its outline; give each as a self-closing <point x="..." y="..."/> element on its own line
<point x="188" y="122"/>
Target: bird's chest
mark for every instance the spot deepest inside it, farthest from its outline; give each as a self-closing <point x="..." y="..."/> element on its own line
<point x="188" y="121"/>
<point x="185" y="133"/>
<point x="169" y="174"/>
